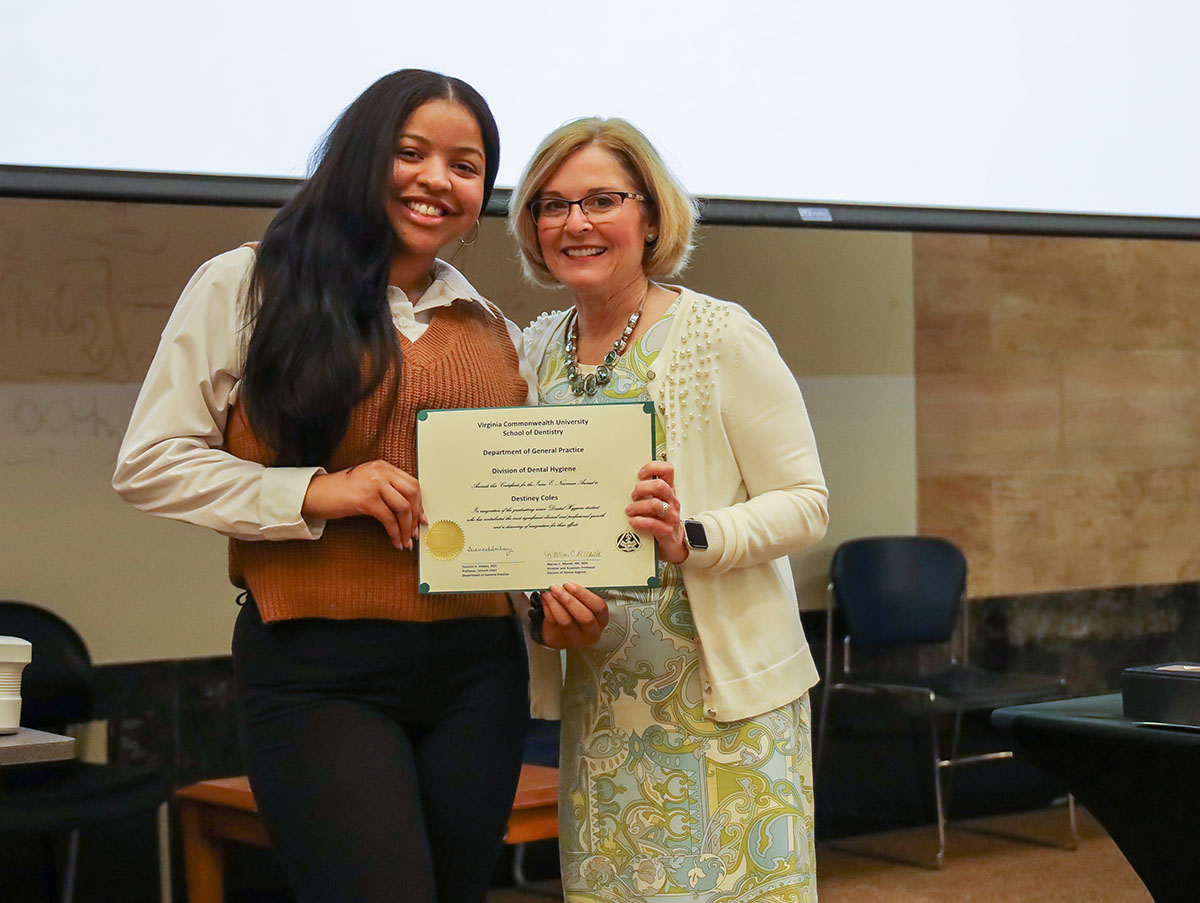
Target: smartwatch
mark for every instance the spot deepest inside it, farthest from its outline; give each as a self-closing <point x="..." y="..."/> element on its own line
<point x="693" y="532"/>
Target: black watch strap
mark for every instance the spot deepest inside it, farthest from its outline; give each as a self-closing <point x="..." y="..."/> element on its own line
<point x="537" y="617"/>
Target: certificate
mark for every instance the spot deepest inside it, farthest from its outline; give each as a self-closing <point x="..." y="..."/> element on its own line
<point x="519" y="498"/>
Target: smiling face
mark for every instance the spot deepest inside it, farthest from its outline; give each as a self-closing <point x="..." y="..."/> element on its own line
<point x="437" y="185"/>
<point x="594" y="257"/>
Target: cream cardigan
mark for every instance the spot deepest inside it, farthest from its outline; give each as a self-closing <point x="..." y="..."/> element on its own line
<point x="746" y="466"/>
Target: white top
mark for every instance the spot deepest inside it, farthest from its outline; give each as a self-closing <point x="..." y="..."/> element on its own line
<point x="746" y="467"/>
<point x="14" y="650"/>
<point x="171" y="462"/>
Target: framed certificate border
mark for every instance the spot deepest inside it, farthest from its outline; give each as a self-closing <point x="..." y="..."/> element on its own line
<point x="519" y="498"/>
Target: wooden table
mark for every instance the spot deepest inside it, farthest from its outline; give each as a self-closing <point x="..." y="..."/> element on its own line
<point x="28" y="745"/>
<point x="222" y="810"/>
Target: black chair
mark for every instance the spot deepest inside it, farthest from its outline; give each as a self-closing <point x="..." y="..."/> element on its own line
<point x="892" y="592"/>
<point x="56" y="798"/>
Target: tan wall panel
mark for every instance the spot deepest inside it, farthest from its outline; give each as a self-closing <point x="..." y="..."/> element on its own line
<point x="960" y="507"/>
<point x="1166" y="523"/>
<point x="1058" y="530"/>
<point x="1057" y="408"/>
<point x="1017" y="409"/>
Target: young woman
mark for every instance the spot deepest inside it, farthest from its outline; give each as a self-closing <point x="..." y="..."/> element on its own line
<point x="686" y="770"/>
<point x="383" y="728"/>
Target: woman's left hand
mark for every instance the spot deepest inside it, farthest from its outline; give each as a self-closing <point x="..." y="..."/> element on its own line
<point x="655" y="509"/>
<point x="574" y="617"/>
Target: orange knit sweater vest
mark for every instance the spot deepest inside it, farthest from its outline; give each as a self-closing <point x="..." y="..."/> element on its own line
<point x="465" y="359"/>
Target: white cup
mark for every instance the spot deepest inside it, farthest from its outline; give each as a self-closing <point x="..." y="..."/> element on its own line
<point x="15" y="654"/>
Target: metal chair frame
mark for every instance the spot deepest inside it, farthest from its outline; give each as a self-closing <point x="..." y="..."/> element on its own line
<point x="929" y="699"/>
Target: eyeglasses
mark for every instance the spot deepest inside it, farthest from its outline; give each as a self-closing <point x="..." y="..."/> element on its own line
<point x="596" y="207"/>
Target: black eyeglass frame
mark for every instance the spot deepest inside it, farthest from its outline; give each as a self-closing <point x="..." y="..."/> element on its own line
<point x="532" y="206"/>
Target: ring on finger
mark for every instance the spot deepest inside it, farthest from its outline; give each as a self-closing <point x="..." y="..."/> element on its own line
<point x="665" y="508"/>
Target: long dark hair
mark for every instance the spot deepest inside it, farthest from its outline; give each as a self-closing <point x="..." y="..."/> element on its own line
<point x="322" y="336"/>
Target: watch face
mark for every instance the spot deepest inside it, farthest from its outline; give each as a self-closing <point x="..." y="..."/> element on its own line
<point x="696" y="537"/>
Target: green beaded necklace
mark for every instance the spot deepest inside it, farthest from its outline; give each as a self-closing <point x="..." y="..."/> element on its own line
<point x="589" y="385"/>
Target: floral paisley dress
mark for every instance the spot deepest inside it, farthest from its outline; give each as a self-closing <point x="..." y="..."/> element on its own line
<point x="657" y="803"/>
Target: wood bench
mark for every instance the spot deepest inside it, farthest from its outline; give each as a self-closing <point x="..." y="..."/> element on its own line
<point x="220" y="811"/>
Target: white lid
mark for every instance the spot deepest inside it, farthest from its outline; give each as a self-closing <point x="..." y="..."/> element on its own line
<point x="15" y="649"/>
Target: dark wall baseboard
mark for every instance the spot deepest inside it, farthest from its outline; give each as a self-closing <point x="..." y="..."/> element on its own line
<point x="1088" y="635"/>
<point x="174" y="715"/>
<point x="179" y="715"/>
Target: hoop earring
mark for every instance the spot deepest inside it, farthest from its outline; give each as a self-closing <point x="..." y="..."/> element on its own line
<point x="473" y="232"/>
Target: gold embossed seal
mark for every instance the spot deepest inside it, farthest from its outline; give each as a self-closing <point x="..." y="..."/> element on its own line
<point x="445" y="540"/>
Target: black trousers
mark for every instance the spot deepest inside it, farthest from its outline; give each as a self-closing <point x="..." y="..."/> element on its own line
<point x="383" y="755"/>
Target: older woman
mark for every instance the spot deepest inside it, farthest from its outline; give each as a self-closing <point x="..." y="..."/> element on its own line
<point x="686" y="769"/>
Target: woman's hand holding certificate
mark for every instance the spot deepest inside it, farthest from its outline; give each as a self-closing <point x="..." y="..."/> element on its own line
<point x="571" y="616"/>
<point x="655" y="509"/>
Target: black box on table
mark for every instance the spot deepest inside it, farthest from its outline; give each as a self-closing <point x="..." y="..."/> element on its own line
<point x="1163" y="694"/>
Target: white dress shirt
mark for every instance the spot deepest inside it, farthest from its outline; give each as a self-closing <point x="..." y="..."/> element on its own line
<point x="171" y="462"/>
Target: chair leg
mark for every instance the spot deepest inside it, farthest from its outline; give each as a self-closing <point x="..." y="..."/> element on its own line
<point x="937" y="788"/>
<point x="939" y="809"/>
<point x="822" y="723"/>
<point x="164" y="853"/>
<point x="521" y="881"/>
<point x="68" y="886"/>
<point x="954" y="742"/>
<point x="1073" y="821"/>
<point x="518" y="866"/>
<point x="51" y="879"/>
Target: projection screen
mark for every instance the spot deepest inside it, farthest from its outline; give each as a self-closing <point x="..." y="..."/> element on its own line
<point x="862" y="113"/>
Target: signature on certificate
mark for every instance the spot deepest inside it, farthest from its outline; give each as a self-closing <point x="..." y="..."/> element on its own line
<point x="506" y="551"/>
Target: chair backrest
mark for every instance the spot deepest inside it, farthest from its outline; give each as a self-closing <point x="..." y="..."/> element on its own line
<point x="898" y="589"/>
<point x="58" y="686"/>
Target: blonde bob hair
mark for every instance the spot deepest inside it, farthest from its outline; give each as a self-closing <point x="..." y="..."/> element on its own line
<point x="671" y="209"/>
